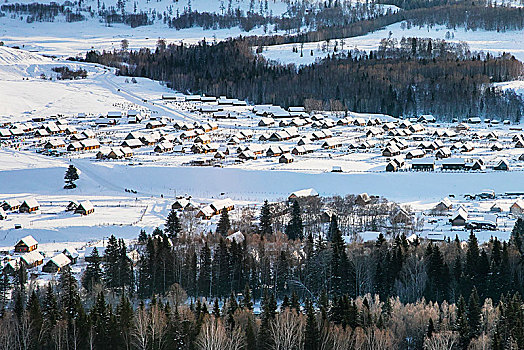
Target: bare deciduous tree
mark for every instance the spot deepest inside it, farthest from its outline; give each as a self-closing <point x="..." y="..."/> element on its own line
<point x="441" y="341"/>
<point x="287" y="330"/>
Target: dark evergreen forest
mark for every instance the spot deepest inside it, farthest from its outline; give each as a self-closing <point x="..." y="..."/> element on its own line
<point x="408" y="78"/>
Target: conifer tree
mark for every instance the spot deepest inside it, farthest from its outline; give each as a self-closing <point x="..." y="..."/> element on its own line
<point x="50" y="310"/>
<point x="517" y="233"/>
<point x="247" y="299"/>
<point x="295" y="302"/>
<point x="70" y="177"/>
<point x="340" y="268"/>
<point x="311" y="333"/>
<point x="5" y="287"/>
<point x="204" y="278"/>
<point x="216" y="309"/>
<point x="333" y="228"/>
<point x="265" y="226"/>
<point x="223" y="225"/>
<point x="93" y="273"/>
<point x="35" y="315"/>
<point x="269" y="308"/>
<point x="173" y="226"/>
<point x="474" y="313"/>
<point x="462" y="324"/>
<point x="68" y="293"/>
<point x="295" y="227"/>
<point x="124" y="316"/>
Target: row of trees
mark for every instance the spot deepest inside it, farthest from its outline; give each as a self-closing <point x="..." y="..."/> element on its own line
<point x="394" y="82"/>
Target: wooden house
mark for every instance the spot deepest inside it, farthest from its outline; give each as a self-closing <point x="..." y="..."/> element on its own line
<point x="26" y="245"/>
<point x="29" y="205"/>
<point x="401" y="217"/>
<point x="10" y="204"/>
<point x="391" y="151"/>
<point x="56" y="263"/>
<point x="423" y="164"/>
<point x="502" y="165"/>
<point x="85" y="208"/>
<point x="517" y="208"/>
<point x="72" y="254"/>
<point x="444" y="205"/>
<point x="286" y="158"/>
<point x="391" y="167"/>
<point x="32" y="259"/>
<point x="459" y="218"/>
<point x="454" y="164"/>
<point x="306" y="193"/>
<point x="416" y="153"/>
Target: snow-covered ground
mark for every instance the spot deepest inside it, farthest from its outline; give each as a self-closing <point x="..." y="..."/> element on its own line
<point x="479" y="40"/>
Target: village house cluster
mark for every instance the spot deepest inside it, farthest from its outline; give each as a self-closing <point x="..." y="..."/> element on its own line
<point x="206" y="131"/>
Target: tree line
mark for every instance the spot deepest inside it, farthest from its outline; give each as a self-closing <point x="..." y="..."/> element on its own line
<point x="405" y="79"/>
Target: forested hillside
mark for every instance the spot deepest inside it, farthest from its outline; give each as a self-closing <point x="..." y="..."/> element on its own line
<point x="408" y="78"/>
<point x="274" y="290"/>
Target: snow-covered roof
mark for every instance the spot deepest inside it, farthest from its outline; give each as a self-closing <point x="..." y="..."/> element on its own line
<point x="31" y="203"/>
<point x="71" y="252"/>
<point x="32" y="257"/>
<point x="309" y="192"/>
<point x="60" y="260"/>
<point x="238" y="237"/>
<point x="28" y="241"/>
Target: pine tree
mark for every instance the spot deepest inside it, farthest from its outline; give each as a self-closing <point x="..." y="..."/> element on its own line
<point x="265" y="226"/>
<point x="204" y="277"/>
<point x="50" y="310"/>
<point x="100" y="319"/>
<point x="111" y="257"/>
<point x="68" y="293"/>
<point x="223" y="225"/>
<point x="474" y="314"/>
<point x="333" y="228"/>
<point x="124" y="317"/>
<point x="35" y="315"/>
<point x="269" y="308"/>
<point x="216" y="309"/>
<point x="93" y="273"/>
<point x="517" y="233"/>
<point x="5" y="287"/>
<point x="311" y="334"/>
<point x="295" y="302"/>
<point x="173" y="226"/>
<point x="462" y="324"/>
<point x="295" y="227"/>
<point x="340" y="267"/>
<point x="70" y="177"/>
<point x="247" y="298"/>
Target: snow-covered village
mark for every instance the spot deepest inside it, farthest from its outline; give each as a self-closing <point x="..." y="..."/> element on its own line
<point x="303" y="175"/>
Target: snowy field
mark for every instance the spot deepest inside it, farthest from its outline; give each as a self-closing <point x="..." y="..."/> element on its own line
<point x="479" y="40"/>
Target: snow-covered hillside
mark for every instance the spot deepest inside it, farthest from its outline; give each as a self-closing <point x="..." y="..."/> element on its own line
<point x="480" y="40"/>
